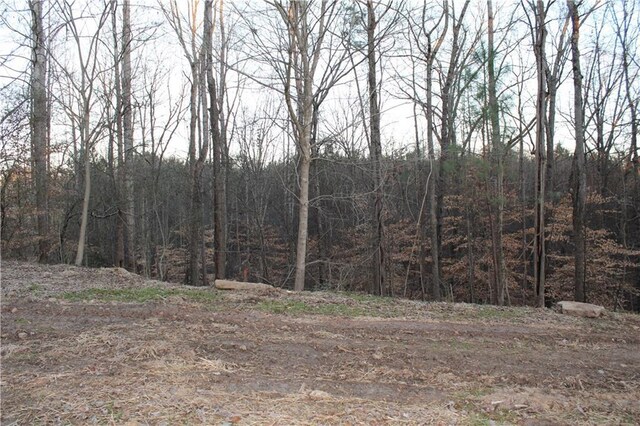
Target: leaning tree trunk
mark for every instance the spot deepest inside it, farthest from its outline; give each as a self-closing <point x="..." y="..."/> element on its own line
<point x="84" y="135"/>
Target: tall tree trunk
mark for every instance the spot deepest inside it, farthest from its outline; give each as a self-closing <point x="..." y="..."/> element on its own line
<point x="127" y="124"/>
<point x="192" y="275"/>
<point x="219" y="129"/>
<point x="375" y="153"/>
<point x="579" y="172"/>
<point x="497" y="167"/>
<point x="539" y="249"/>
<point x="39" y="125"/>
<point x="119" y="178"/>
<point x="303" y="212"/>
<point x="447" y="133"/>
<point x="84" y="138"/>
<point x="432" y="199"/>
<point x="303" y="64"/>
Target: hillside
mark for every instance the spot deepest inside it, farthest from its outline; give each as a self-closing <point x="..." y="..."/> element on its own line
<point x="102" y="346"/>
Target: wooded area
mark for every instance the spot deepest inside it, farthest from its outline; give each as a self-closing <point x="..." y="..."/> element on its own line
<point x="470" y="151"/>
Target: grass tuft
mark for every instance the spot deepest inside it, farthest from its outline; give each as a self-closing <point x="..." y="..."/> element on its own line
<point x="296" y="307"/>
<point x="140" y="295"/>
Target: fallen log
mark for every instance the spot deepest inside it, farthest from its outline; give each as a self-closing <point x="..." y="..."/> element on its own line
<point x="240" y="285"/>
<point x="578" y="309"/>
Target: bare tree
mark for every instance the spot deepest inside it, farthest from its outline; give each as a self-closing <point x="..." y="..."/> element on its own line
<point x="307" y="25"/>
<point x="40" y="124"/>
<point x="198" y="147"/>
<point x="428" y="50"/>
<point x="89" y="68"/>
<point x="219" y="148"/>
<point x="554" y="76"/>
<point x="375" y="152"/>
<point x="539" y="247"/>
<point x="628" y="39"/>
<point x="127" y="128"/>
<point x="497" y="165"/>
<point x="579" y="170"/>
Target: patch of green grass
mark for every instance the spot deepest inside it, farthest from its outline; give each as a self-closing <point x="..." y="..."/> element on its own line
<point x="140" y="295"/>
<point x="34" y="288"/>
<point x="22" y="321"/>
<point x="493" y="312"/>
<point x="296" y="307"/>
<point x="459" y="345"/>
<point x="115" y="412"/>
<point x="367" y="298"/>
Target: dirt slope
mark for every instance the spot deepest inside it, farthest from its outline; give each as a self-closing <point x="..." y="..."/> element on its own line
<point x="102" y="346"/>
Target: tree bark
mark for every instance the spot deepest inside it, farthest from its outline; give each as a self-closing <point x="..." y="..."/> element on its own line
<point x="375" y="154"/>
<point x="300" y="69"/>
<point x="84" y="136"/>
<point x="579" y="172"/>
<point x="39" y="126"/>
<point x="195" y="218"/>
<point x="539" y="248"/>
<point x="497" y="167"/>
<point x="119" y="178"/>
<point x="127" y="131"/>
<point x="219" y="133"/>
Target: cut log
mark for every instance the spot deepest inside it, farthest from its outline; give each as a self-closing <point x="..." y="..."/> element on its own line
<point x="579" y="309"/>
<point x="239" y="285"/>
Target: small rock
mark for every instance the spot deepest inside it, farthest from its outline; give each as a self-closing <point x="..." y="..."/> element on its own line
<point x="14" y="310"/>
<point x="22" y="335"/>
<point x="377" y="356"/>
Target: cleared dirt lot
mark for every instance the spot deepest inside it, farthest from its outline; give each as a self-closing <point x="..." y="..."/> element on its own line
<point x="102" y="346"/>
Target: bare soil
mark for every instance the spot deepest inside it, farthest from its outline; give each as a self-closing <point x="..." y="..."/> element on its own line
<point x="187" y="356"/>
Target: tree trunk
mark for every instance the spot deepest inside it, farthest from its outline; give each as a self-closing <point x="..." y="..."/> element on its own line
<point x="119" y="178"/>
<point x="375" y="153"/>
<point x="192" y="275"/>
<point x="497" y="168"/>
<point x="218" y="127"/>
<point x="39" y="126"/>
<point x="84" y="136"/>
<point x="447" y="133"/>
<point x="303" y="213"/>
<point x="127" y="124"/>
<point x="579" y="172"/>
<point x="539" y="249"/>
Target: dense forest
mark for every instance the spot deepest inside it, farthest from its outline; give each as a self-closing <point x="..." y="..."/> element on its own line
<point x="469" y="151"/>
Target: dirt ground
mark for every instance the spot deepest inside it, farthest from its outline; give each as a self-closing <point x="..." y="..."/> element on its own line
<point x="144" y="352"/>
